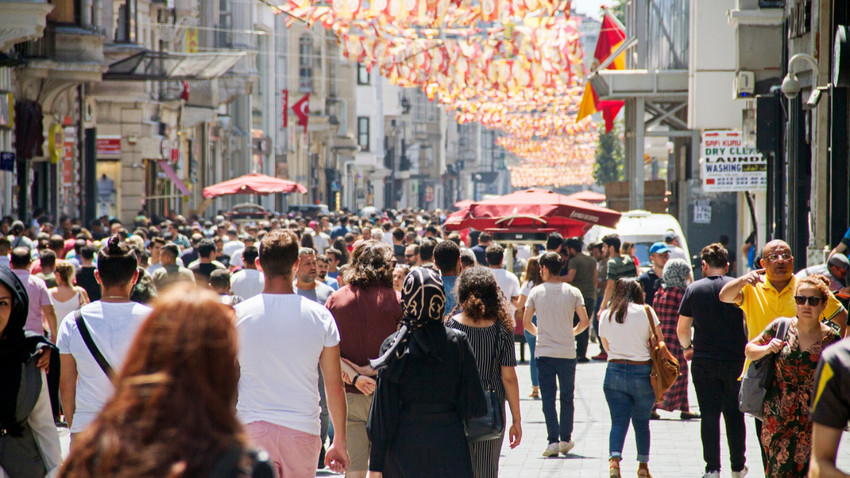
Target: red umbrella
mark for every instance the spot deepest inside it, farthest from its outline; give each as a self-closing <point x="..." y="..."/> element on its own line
<point x="254" y="183"/>
<point x="463" y="203"/>
<point x="534" y="207"/>
<point x="588" y="196"/>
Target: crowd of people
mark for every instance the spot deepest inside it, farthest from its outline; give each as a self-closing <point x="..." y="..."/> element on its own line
<point x="368" y="345"/>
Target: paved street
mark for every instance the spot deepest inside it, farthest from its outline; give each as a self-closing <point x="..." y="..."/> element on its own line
<point x="676" y="449"/>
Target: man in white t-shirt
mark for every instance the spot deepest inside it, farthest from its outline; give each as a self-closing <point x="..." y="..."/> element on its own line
<point x="249" y="281"/>
<point x="508" y="283"/>
<point x="283" y="337"/>
<point x="555" y="302"/>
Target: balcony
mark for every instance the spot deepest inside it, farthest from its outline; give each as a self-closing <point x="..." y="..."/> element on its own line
<point x="22" y="21"/>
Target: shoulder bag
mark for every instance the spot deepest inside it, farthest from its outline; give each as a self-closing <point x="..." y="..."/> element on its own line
<point x="759" y="377"/>
<point x="98" y="357"/>
<point x="665" y="367"/>
<point x="491" y="425"/>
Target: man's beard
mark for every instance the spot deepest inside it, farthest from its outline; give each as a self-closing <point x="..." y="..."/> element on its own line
<point x="322" y="275"/>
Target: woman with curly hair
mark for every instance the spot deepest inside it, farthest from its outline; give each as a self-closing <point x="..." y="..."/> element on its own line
<point x="786" y="434"/>
<point x="173" y="413"/>
<point x="484" y="319"/>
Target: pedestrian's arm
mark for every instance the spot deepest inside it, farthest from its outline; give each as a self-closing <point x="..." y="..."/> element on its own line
<point x="733" y="291"/>
<point x="583" y="321"/>
<point x="511" y="384"/>
<point x="68" y="386"/>
<point x="683" y="331"/>
<point x="824" y="449"/>
<point x="840" y="319"/>
<point x="761" y="346"/>
<point x="570" y="277"/>
<point x="526" y="321"/>
<point x="48" y="314"/>
<point x="609" y="291"/>
<point x="337" y="456"/>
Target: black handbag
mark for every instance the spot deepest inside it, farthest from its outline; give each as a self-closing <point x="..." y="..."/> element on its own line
<point x="489" y="426"/>
<point x="759" y="377"/>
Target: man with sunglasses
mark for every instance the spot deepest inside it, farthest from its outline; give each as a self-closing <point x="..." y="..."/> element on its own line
<point x="763" y="298"/>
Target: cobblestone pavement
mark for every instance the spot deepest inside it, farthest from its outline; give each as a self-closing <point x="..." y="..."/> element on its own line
<point x="676" y="451"/>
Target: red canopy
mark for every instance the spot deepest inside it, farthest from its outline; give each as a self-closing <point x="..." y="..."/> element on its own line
<point x="463" y="203"/>
<point x="534" y="207"/>
<point x="588" y="196"/>
<point x="254" y="183"/>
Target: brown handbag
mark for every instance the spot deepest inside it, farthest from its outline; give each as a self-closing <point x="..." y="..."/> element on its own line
<point x="665" y="367"/>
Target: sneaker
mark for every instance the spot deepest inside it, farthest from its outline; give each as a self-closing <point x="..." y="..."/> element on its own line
<point x="653" y="415"/>
<point x="688" y="415"/>
<point x="711" y="474"/>
<point x="602" y="356"/>
<point x="552" y="450"/>
<point x="582" y="360"/>
<point x="565" y="446"/>
<point x="740" y="474"/>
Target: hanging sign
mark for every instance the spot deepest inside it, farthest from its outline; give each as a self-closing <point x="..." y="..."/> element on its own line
<point x="728" y="165"/>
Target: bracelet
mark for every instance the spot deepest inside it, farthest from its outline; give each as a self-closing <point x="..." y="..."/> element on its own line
<point x="354" y="380"/>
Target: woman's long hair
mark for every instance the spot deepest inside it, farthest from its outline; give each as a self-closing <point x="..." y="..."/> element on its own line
<point x="480" y="298"/>
<point x="173" y="411"/>
<point x="626" y="290"/>
<point x="532" y="272"/>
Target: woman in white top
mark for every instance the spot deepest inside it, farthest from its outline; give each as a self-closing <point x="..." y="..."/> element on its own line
<point x="66" y="297"/>
<point x="625" y="331"/>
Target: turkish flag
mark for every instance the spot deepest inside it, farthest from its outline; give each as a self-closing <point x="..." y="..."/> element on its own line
<point x="184" y="94"/>
<point x="302" y="111"/>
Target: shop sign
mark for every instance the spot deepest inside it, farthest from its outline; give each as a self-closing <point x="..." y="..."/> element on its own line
<point x="7" y="161"/>
<point x="728" y="165"/>
<point x="68" y="159"/>
<point x="108" y="146"/>
<point x="702" y="211"/>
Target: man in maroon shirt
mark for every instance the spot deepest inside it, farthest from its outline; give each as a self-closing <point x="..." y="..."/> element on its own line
<point x="367" y="311"/>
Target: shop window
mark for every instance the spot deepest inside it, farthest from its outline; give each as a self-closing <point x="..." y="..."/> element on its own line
<point x="362" y="74"/>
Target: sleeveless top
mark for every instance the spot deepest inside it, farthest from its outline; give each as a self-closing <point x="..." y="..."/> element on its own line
<point x="64" y="308"/>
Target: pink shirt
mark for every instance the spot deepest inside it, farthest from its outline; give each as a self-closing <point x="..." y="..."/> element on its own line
<point x="38" y="296"/>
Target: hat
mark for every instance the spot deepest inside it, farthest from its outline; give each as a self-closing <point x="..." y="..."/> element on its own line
<point x="659" y="248"/>
<point x="669" y="235"/>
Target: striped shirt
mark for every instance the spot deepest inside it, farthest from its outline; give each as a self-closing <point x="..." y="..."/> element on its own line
<point x="620" y="267"/>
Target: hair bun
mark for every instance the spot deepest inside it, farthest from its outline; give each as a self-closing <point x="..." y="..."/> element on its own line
<point x="113" y="246"/>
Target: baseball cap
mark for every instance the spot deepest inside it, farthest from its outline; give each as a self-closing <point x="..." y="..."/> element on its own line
<point x="669" y="234"/>
<point x="659" y="248"/>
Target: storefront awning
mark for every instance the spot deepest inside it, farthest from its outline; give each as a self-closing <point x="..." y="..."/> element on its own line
<point x="161" y="66"/>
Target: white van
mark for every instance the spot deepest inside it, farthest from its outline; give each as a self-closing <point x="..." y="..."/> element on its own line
<point x="644" y="229"/>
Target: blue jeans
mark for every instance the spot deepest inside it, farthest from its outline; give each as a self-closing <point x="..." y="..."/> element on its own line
<point x="531" y="340"/>
<point x="565" y="370"/>
<point x="629" y="394"/>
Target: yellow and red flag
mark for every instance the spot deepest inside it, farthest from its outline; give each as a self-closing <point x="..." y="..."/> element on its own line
<point x="611" y="36"/>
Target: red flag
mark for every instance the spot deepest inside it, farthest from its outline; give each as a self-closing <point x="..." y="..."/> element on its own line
<point x="184" y="94"/>
<point x="302" y="111"/>
<point x="284" y="95"/>
<point x="611" y="35"/>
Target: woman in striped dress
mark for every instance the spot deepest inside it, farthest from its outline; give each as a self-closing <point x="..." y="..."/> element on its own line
<point x="484" y="319"/>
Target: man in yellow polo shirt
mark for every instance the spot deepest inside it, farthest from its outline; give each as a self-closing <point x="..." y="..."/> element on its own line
<point x="764" y="298"/>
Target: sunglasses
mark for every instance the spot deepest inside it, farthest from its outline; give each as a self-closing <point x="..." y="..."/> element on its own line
<point x="813" y="301"/>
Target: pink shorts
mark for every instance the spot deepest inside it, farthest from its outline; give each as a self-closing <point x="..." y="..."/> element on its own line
<point x="294" y="453"/>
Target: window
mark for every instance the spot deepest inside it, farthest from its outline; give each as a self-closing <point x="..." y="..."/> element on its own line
<point x="363" y="132"/>
<point x="305" y="64"/>
<point x="225" y="25"/>
<point x="126" y="29"/>
<point x="65" y="12"/>
<point x="362" y="74"/>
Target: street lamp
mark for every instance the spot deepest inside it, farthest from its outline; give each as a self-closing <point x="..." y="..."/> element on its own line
<point x="790" y="84"/>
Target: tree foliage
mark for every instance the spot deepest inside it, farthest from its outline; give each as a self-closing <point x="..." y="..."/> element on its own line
<point x="609" y="156"/>
<point x="619" y="10"/>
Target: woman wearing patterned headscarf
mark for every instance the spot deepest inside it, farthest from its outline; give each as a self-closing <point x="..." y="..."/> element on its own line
<point x="675" y="279"/>
<point x="428" y="384"/>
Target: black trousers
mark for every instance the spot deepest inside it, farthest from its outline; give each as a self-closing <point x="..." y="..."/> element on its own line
<point x="53" y="384"/>
<point x="717" y="386"/>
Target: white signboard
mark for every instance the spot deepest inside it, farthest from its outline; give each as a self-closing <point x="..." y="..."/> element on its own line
<point x="702" y="211"/>
<point x="727" y="164"/>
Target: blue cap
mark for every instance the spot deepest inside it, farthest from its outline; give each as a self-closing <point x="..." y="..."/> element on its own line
<point x="659" y="247"/>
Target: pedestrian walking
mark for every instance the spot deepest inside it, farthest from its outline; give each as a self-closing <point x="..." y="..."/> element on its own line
<point x="110" y="325"/>
<point x="366" y="311"/>
<point x="29" y="440"/>
<point x="171" y="271"/>
<point x="716" y="352"/>
<point x="659" y="254"/>
<point x="484" y="319"/>
<point x="626" y="334"/>
<point x="668" y="298"/>
<point x="428" y="384"/>
<point x="248" y="281"/>
<point x="581" y="272"/>
<point x="447" y="259"/>
<point x="532" y="279"/>
<point x="66" y="297"/>
<point x="42" y="316"/>
<point x="173" y="410"/>
<point x="555" y="302"/>
<point x="618" y="267"/>
<point x="786" y="435"/>
<point x="830" y="409"/>
<point x="85" y="275"/>
<point x="279" y="393"/>
<point x="399" y="273"/>
<point x="508" y="283"/>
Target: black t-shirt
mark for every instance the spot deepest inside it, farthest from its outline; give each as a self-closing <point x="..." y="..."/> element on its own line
<point x="650" y="282"/>
<point x="718" y="327"/>
<point x="831" y="402"/>
<point x="85" y="279"/>
<point x="204" y="269"/>
<point x="398" y="252"/>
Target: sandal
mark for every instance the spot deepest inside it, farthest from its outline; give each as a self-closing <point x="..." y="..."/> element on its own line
<point x="535" y="393"/>
<point x="643" y="471"/>
<point x="614" y="468"/>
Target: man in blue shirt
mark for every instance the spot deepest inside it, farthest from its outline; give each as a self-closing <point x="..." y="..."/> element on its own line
<point x="447" y="259"/>
<point x="342" y="229"/>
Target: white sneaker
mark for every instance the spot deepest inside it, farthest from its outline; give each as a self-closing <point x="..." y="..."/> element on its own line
<point x="740" y="474"/>
<point x="565" y="446"/>
<point x="551" y="450"/>
<point x="711" y="474"/>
